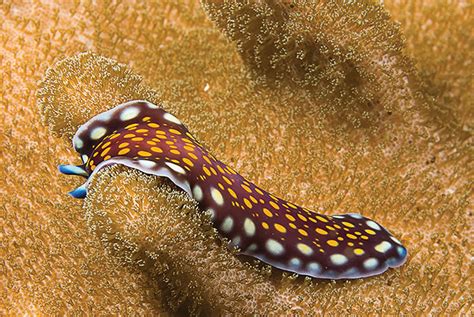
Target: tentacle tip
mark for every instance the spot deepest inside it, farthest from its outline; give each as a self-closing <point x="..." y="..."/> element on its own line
<point x="72" y="170"/>
<point x="80" y="192"/>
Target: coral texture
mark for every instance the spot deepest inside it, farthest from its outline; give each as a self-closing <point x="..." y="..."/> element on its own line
<point x="355" y="128"/>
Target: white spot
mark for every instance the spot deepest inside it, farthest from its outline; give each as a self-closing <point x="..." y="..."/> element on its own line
<point x="338" y="259"/>
<point x="350" y="272"/>
<point x="395" y="240"/>
<point x="197" y="192"/>
<point x="206" y="88"/>
<point x="171" y="118"/>
<point x="227" y="224"/>
<point x="176" y="168"/>
<point x="402" y="251"/>
<point x="249" y="227"/>
<point x="356" y="216"/>
<point x="217" y="196"/>
<point x="373" y="225"/>
<point x="129" y="113"/>
<point x="306" y="250"/>
<point x="338" y="217"/>
<point x="371" y="263"/>
<point x="274" y="247"/>
<point x="295" y="262"/>
<point x="314" y="267"/>
<point x="147" y="163"/>
<point x="152" y="105"/>
<point x="252" y="247"/>
<point x="84" y="158"/>
<point x="105" y="116"/>
<point x="211" y="213"/>
<point x="97" y="133"/>
<point x="236" y="241"/>
<point x="78" y="143"/>
<point x="383" y="247"/>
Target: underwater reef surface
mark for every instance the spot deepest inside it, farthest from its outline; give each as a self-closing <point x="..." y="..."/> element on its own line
<point x="322" y="104"/>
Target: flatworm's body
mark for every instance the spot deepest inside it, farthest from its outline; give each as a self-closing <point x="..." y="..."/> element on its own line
<point x="143" y="136"/>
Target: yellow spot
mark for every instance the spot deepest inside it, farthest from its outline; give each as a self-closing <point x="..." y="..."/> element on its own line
<point x="175" y="152"/>
<point x="169" y="142"/>
<point x="220" y="186"/>
<point x="162" y="137"/>
<point x="258" y="190"/>
<point x="348" y="224"/>
<point x="247" y="203"/>
<point x="107" y="157"/>
<point x="312" y="219"/>
<point x="330" y="228"/>
<point x="351" y="244"/>
<point x="280" y="228"/>
<point x="95" y="154"/>
<point x="174" y="131"/>
<point x="187" y="141"/>
<point x="302" y="217"/>
<point x="145" y="119"/>
<point x="337" y="226"/>
<point x="303" y="232"/>
<point x="123" y="151"/>
<point x="206" y="159"/>
<point x="292" y="225"/>
<point x="231" y="192"/>
<point x="265" y="225"/>
<point x="114" y="136"/>
<point x="351" y="236"/>
<point x="206" y="170"/>
<point x="104" y="152"/>
<point x="364" y="237"/>
<point x="358" y="251"/>
<point x="144" y="153"/>
<point x="267" y="212"/>
<point x="213" y="170"/>
<point x="106" y="145"/>
<point x="292" y="206"/>
<point x="156" y="149"/>
<point x="124" y="144"/>
<point x="133" y="125"/>
<point x="340" y="238"/>
<point x="191" y="155"/>
<point x="225" y="178"/>
<point x="370" y="231"/>
<point x="220" y="169"/>
<point x="247" y="189"/>
<point x="159" y="132"/>
<point x="253" y="199"/>
<point x="141" y="131"/>
<point x="151" y="142"/>
<point x="153" y="125"/>
<point x="187" y="148"/>
<point x="290" y="217"/>
<point x="137" y="139"/>
<point x="274" y="205"/>
<point x="188" y="162"/>
<point x="358" y="233"/>
<point x="333" y="243"/>
<point x="129" y="135"/>
<point x="321" y="231"/>
<point x="322" y="219"/>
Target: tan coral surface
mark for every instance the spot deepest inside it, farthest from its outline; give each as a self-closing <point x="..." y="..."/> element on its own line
<point x="404" y="161"/>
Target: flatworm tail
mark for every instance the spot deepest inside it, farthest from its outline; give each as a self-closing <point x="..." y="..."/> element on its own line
<point x="141" y="135"/>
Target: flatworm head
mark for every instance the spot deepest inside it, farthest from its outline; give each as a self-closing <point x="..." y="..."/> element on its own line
<point x="141" y="135"/>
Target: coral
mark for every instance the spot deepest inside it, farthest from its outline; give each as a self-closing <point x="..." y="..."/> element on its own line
<point x="404" y="161"/>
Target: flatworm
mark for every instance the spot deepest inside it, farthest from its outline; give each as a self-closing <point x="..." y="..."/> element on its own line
<point x="141" y="135"/>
